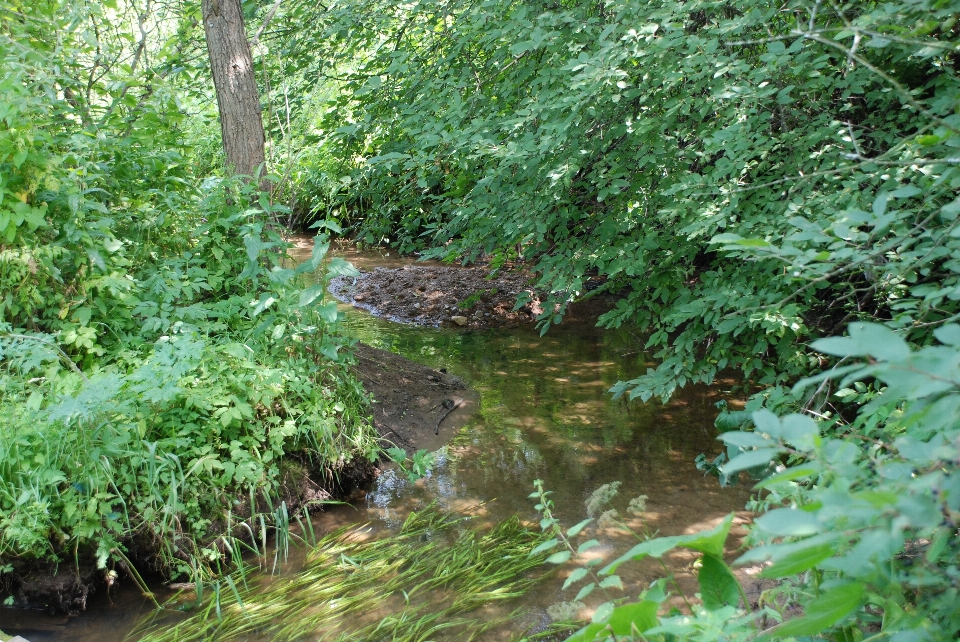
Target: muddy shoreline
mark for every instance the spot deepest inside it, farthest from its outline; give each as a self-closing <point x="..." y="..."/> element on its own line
<point x="449" y="296"/>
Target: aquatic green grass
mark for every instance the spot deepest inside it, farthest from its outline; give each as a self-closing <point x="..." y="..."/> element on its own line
<point x="419" y="584"/>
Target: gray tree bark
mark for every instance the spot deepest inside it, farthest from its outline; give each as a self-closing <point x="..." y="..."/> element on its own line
<point x="241" y="121"/>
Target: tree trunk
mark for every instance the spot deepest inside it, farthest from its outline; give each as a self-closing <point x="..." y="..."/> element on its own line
<point x="241" y="122"/>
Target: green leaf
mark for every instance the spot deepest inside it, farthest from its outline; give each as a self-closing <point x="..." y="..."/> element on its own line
<point x="253" y="245"/>
<point x="328" y="311"/>
<point x="753" y="243"/>
<point x="320" y="248"/>
<point x="587" y="545"/>
<point x="948" y="334"/>
<point x="310" y="295"/>
<point x="263" y="304"/>
<point x="586" y="590"/>
<point x="710" y="542"/>
<point x="575" y="530"/>
<point x="612" y="582"/>
<point x="544" y="546"/>
<point x="790" y="474"/>
<point x="574" y="577"/>
<point x="726" y="238"/>
<point x="603" y="613"/>
<point x="799" y="430"/>
<point x="718" y="586"/>
<point x="558" y="558"/>
<point x="937" y="545"/>
<point x="750" y="459"/>
<point x="625" y="619"/>
<point x="879" y="341"/>
<point x="340" y="267"/>
<point x="799" y="561"/>
<point x="871" y="339"/>
<point x="821" y="612"/>
<point x="788" y="521"/>
<point x="651" y="548"/>
<point x="742" y="439"/>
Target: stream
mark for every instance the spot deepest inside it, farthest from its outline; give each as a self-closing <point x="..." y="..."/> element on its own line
<point x="545" y="413"/>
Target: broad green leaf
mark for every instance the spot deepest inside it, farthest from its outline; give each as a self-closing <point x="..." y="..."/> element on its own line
<point x="603" y="613"/>
<point x="948" y="334"/>
<point x="788" y="521"/>
<point x="624" y="620"/>
<point x="790" y="474"/>
<point x="799" y="430"/>
<point x="253" y="245"/>
<point x="310" y="295"/>
<point x="587" y="545"/>
<point x="718" y="586"/>
<point x="726" y="238"/>
<point x="558" y="558"/>
<point x="710" y="542"/>
<point x="799" y="561"/>
<point x="651" y="548"/>
<point x="879" y="341"/>
<point x="822" y="612"/>
<point x="741" y="439"/>
<point x="340" y="267"/>
<point x="612" y="581"/>
<point x="328" y="311"/>
<point x="586" y="590"/>
<point x="750" y="459"/>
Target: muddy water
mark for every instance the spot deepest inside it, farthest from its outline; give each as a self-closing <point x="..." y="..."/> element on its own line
<point x="545" y="413"/>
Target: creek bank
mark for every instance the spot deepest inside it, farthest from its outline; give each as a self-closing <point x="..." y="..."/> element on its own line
<point x="413" y="407"/>
<point x="66" y="587"/>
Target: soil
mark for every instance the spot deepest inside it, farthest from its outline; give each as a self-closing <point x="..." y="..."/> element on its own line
<point x="414" y="406"/>
<point x="63" y="588"/>
<point x="452" y="296"/>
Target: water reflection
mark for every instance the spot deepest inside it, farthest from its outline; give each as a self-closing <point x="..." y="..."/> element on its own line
<point x="545" y="413"/>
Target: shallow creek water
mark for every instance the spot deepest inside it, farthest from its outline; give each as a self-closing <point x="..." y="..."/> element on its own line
<point x="545" y="413"/>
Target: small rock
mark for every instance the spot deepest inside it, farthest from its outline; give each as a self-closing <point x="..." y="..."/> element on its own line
<point x="459" y="320"/>
<point x="359" y="297"/>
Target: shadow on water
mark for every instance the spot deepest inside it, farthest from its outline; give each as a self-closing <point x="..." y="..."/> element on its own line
<point x="545" y="414"/>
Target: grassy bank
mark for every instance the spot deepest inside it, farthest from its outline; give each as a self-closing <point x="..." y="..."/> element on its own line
<point x="164" y="375"/>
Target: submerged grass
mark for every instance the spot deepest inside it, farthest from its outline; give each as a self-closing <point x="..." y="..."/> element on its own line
<point x="421" y="584"/>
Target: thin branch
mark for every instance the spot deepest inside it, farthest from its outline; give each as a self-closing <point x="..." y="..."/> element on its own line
<point x="266" y="22"/>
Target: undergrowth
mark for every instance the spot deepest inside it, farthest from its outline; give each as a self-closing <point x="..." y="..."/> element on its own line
<point x="164" y="372"/>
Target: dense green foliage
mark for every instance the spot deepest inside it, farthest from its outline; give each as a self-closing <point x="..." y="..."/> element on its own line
<point x="628" y="139"/>
<point x="749" y="178"/>
<point x="164" y="373"/>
